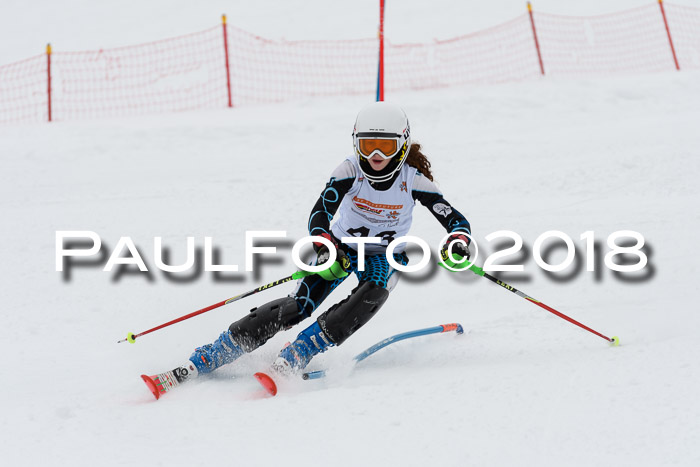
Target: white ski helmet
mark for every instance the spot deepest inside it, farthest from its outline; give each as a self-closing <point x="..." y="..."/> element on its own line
<point x="381" y="128"/>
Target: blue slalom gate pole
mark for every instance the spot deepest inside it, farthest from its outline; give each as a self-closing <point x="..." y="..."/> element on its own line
<point x="390" y="340"/>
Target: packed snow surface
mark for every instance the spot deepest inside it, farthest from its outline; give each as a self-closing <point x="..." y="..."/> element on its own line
<point x="522" y="387"/>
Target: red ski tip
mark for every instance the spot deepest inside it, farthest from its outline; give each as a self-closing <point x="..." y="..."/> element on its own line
<point x="267" y="383"/>
<point x="151" y="386"/>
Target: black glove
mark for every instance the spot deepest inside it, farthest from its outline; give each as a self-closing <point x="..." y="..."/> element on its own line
<point x="460" y="246"/>
<point x="322" y="253"/>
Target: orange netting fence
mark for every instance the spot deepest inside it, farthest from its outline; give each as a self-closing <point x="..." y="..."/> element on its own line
<point x="226" y="66"/>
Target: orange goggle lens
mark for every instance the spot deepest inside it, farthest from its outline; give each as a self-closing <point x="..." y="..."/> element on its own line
<point x="387" y="147"/>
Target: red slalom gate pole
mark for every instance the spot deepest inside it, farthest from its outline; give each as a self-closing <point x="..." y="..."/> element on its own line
<point x="228" y="72"/>
<point x="380" y="72"/>
<point x="48" y="73"/>
<point x="668" y="33"/>
<point x="534" y="34"/>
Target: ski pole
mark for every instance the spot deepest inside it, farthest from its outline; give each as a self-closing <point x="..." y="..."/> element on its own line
<point x="131" y="337"/>
<point x="390" y="340"/>
<point x="615" y="341"/>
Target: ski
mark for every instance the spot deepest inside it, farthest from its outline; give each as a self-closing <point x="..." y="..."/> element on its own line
<point x="161" y="383"/>
<point x="391" y="340"/>
<point x="270" y="386"/>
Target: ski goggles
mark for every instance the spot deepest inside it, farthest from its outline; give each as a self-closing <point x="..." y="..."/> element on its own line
<point x="386" y="148"/>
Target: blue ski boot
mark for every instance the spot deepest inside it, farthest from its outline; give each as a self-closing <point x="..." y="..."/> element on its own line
<point x="293" y="358"/>
<point x="211" y="356"/>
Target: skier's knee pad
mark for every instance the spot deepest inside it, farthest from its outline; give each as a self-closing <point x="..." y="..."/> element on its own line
<point x="346" y="317"/>
<point x="263" y="322"/>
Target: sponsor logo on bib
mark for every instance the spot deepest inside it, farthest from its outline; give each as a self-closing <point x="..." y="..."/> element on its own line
<point x="384" y="210"/>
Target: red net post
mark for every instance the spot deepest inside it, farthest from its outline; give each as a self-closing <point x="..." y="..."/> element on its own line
<point x="48" y="78"/>
<point x="668" y="33"/>
<point x="684" y="21"/>
<point x="228" y="70"/>
<point x="380" y="77"/>
<point x="534" y="34"/>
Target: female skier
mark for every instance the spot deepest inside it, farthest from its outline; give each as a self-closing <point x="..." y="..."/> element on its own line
<point x="373" y="193"/>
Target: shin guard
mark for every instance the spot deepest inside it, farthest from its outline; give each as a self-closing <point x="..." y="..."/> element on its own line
<point x="346" y="317"/>
<point x="263" y="322"/>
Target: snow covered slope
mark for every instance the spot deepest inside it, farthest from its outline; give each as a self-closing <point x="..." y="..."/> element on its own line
<point x="522" y="388"/>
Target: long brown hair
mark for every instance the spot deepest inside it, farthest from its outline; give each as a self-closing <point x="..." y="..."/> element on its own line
<point x="418" y="160"/>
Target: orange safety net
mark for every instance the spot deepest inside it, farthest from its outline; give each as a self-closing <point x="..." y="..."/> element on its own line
<point x="189" y="72"/>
